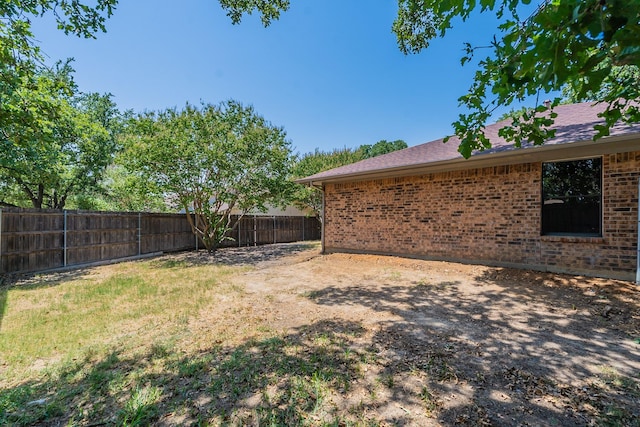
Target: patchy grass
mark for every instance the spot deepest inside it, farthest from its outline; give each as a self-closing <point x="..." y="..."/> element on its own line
<point x="272" y="381"/>
<point x="181" y="340"/>
<point x="141" y="407"/>
<point x="121" y="303"/>
<point x="136" y="343"/>
<point x="77" y="342"/>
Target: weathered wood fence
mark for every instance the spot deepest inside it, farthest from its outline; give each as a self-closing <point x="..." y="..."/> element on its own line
<point x="36" y="240"/>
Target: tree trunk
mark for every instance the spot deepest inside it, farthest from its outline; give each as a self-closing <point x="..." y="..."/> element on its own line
<point x="58" y="202"/>
<point x="194" y="222"/>
<point x="36" y="200"/>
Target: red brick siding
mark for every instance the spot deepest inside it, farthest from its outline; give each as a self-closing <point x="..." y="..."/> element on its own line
<point x="484" y="215"/>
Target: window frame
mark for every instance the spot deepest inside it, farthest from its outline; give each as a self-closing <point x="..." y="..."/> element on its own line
<point x="599" y="233"/>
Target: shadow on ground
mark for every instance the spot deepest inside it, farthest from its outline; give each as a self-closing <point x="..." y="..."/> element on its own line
<point x="519" y="348"/>
<point x="238" y="256"/>
<point x="513" y="349"/>
<point x="275" y="381"/>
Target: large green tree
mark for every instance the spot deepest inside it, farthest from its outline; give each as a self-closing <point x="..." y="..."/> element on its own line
<point x="22" y="65"/>
<point x="44" y="162"/>
<point x="124" y="190"/>
<point x="575" y="43"/>
<point x="310" y="198"/>
<point x="564" y="42"/>
<point x="213" y="161"/>
<point x="381" y="147"/>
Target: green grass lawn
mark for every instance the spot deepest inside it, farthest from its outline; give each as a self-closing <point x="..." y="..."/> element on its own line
<point x="98" y="345"/>
<point x="162" y="340"/>
<point x="122" y="304"/>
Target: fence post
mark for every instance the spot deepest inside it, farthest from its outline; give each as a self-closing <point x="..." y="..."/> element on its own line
<point x="274" y="230"/>
<point x="195" y="234"/>
<point x="255" y="231"/>
<point x="64" y="239"/>
<point x="239" y="231"/>
<point x="139" y="233"/>
<point x="303" y="229"/>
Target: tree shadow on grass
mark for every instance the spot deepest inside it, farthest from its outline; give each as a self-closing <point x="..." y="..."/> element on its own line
<point x="41" y="280"/>
<point x="285" y="380"/>
<point x="254" y="256"/>
<point x="501" y="352"/>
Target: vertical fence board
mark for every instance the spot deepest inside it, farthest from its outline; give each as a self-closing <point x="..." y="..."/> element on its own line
<point x="31" y="239"/>
<point x="34" y="239"/>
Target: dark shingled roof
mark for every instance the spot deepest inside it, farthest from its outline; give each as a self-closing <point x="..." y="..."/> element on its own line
<point x="574" y="123"/>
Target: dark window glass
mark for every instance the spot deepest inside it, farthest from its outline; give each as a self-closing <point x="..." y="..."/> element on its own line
<point x="571" y="197"/>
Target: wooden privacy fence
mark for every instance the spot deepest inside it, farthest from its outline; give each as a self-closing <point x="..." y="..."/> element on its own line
<point x="36" y="240"/>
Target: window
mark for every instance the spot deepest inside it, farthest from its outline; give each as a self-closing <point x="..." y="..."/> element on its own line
<point x="572" y="197"/>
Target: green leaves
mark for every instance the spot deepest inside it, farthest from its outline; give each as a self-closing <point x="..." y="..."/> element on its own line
<point x="53" y="145"/>
<point x="413" y="28"/>
<point x="27" y="109"/>
<point x="269" y="10"/>
<point x="532" y="122"/>
<point x="566" y="43"/>
<point x="212" y="161"/>
<point x="381" y="147"/>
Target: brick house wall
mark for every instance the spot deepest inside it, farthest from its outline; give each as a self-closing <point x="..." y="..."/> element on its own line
<point x="490" y="215"/>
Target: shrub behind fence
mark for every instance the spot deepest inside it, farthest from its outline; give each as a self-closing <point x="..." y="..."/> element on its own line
<point x="36" y="239"/>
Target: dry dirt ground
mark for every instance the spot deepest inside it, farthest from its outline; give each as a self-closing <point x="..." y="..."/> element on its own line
<point x="436" y="343"/>
<point x="458" y="344"/>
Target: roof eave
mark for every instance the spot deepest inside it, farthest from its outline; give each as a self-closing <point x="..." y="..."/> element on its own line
<point x="566" y="151"/>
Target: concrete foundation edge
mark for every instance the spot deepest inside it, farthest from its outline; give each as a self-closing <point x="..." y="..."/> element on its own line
<point x="606" y="274"/>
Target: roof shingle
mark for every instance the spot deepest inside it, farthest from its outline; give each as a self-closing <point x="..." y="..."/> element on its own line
<point x="574" y="123"/>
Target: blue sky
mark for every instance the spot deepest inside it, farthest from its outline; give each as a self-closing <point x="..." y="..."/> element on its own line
<point x="329" y="71"/>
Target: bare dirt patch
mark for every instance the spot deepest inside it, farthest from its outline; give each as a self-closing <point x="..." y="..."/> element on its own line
<point x="464" y="344"/>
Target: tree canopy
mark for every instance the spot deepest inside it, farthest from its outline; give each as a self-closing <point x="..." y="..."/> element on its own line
<point x="21" y="62"/>
<point x="573" y="43"/>
<point x="589" y="49"/>
<point x="381" y="147"/>
<point x="45" y="162"/>
<point x="216" y="162"/>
